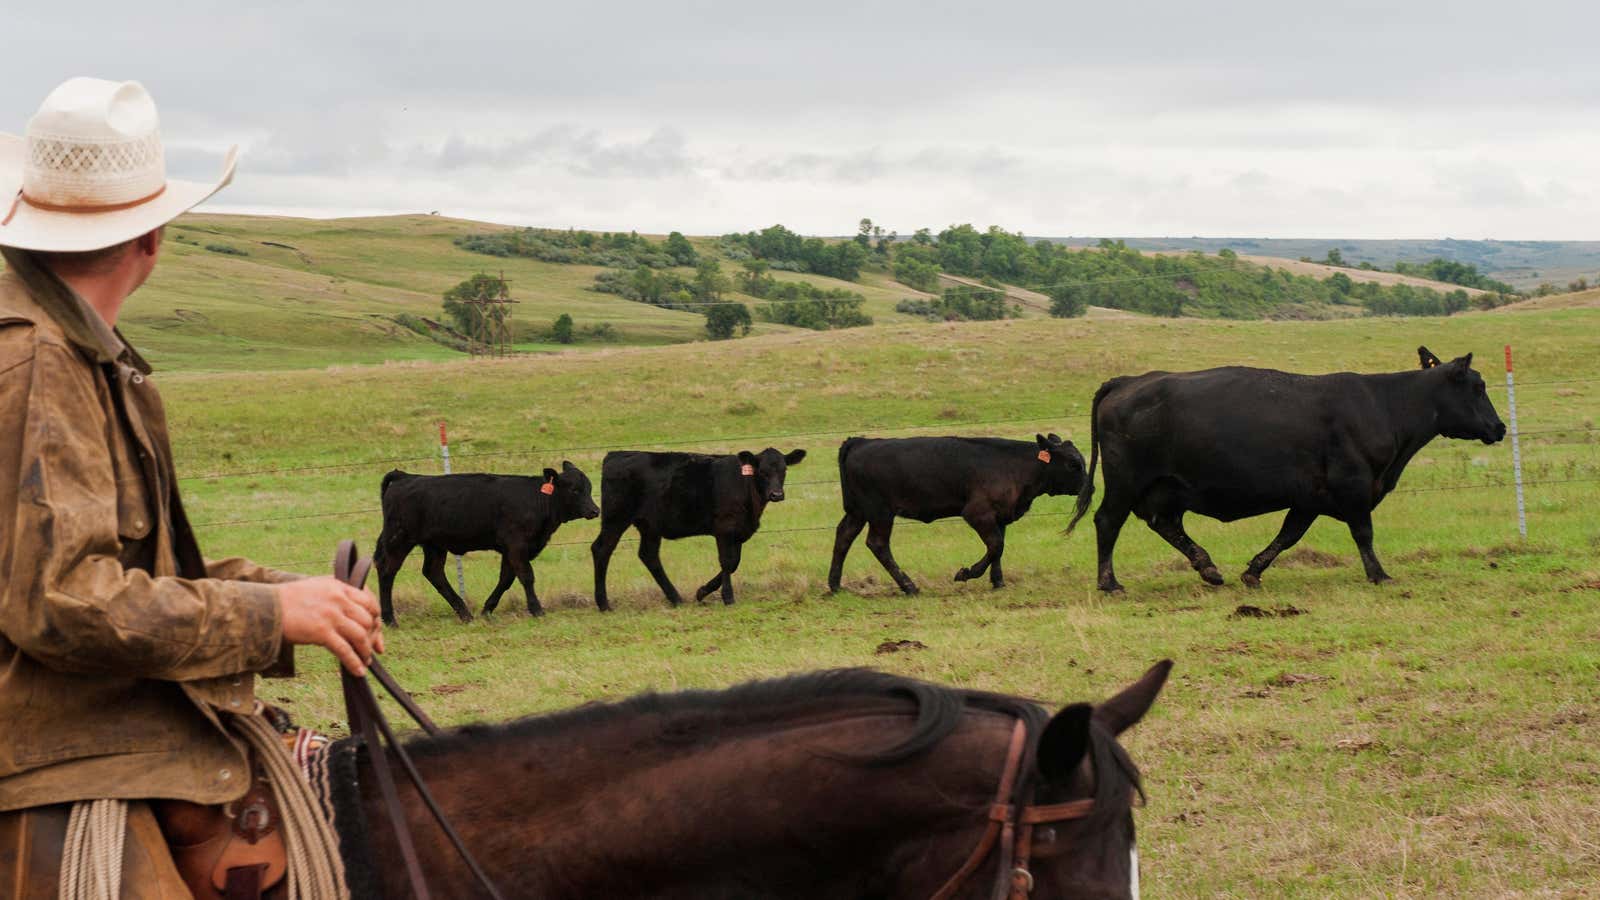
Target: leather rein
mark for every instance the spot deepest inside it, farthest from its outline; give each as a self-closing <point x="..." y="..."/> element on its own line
<point x="1011" y="827"/>
<point x="368" y="721"/>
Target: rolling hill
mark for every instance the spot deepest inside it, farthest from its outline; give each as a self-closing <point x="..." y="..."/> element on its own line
<point x="261" y="293"/>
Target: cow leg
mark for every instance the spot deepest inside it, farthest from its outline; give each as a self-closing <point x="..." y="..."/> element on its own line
<point x="1108" y="521"/>
<point x="993" y="536"/>
<point x="878" y="533"/>
<point x="1170" y="526"/>
<point x="849" y="527"/>
<point x="601" y="549"/>
<point x="524" y="571"/>
<point x="728" y="553"/>
<point x="433" y="568"/>
<point x="1361" y="530"/>
<point x="389" y="556"/>
<point x="506" y="577"/>
<point x="1294" y="528"/>
<point x="650" y="555"/>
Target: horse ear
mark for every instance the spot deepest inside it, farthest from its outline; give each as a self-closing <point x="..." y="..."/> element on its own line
<point x="1065" y="742"/>
<point x="1426" y="357"/>
<point x="793" y="457"/>
<point x="1126" y="709"/>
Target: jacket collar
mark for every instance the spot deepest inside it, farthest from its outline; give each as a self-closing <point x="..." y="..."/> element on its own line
<point x="76" y="318"/>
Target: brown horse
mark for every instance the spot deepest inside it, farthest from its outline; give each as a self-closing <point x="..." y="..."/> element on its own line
<point x="847" y="784"/>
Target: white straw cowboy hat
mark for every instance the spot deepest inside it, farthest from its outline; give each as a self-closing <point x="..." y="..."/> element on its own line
<point x="90" y="171"/>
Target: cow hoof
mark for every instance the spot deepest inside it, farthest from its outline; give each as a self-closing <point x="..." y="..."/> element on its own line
<point x="727" y="601"/>
<point x="1112" y="588"/>
<point x="962" y="574"/>
<point x="699" y="597"/>
<point x="1249" y="579"/>
<point x="910" y="589"/>
<point x="997" y="585"/>
<point x="536" y="612"/>
<point x="1381" y="579"/>
<point x="603" y="607"/>
<point x="1211" y="576"/>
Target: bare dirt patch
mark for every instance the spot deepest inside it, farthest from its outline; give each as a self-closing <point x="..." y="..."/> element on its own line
<point x="1246" y="611"/>
<point x="1310" y="558"/>
<point x="898" y="646"/>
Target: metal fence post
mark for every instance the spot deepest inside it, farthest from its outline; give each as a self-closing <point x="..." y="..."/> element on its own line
<point x="1516" y="447"/>
<point x="444" y="449"/>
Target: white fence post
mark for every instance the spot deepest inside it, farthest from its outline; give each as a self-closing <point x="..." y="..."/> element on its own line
<point x="1516" y="447"/>
<point x="444" y="449"/>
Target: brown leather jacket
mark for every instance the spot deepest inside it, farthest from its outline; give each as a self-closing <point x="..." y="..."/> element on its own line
<point x="120" y="646"/>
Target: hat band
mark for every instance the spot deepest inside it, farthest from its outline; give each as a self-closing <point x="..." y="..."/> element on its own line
<point x="76" y="207"/>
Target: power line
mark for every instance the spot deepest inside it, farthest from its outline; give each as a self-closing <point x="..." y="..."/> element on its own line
<point x="733" y="439"/>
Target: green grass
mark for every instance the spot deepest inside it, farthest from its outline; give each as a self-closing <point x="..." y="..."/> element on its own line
<point x="1443" y="747"/>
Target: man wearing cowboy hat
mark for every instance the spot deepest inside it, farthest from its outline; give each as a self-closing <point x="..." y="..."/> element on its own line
<point x="123" y="652"/>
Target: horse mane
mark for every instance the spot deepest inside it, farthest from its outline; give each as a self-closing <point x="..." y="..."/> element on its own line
<point x="695" y="716"/>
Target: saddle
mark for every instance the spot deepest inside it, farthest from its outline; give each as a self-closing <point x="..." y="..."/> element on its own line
<point x="230" y="852"/>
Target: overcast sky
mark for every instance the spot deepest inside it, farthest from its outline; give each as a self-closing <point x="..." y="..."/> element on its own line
<point x="1408" y="118"/>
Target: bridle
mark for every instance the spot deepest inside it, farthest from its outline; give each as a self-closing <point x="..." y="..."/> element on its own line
<point x="368" y="721"/>
<point x="1011" y="826"/>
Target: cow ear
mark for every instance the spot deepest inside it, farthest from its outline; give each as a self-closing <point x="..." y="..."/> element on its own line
<point x="1044" y="442"/>
<point x="567" y="466"/>
<point x="1460" y="366"/>
<point x="1426" y="357"/>
<point x="793" y="457"/>
<point x="746" y="457"/>
<point x="1064" y="743"/>
<point x="1054" y="438"/>
<point x="549" y="474"/>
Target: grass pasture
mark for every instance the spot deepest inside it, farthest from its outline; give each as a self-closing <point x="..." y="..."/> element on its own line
<point x="1430" y="737"/>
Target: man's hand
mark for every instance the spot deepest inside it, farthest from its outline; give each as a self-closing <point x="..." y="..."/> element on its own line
<point x="329" y="613"/>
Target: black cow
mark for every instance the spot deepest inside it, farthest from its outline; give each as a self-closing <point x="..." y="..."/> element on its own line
<point x="514" y="514"/>
<point x="679" y="495"/>
<point x="1236" y="442"/>
<point x="989" y="482"/>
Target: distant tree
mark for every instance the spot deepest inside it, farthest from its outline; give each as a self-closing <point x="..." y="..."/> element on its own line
<point x="864" y="233"/>
<point x="754" y="280"/>
<point x="922" y="236"/>
<point x="459" y="305"/>
<point x="722" y="319"/>
<point x="680" y="250"/>
<point x="709" y="282"/>
<point x="562" y="329"/>
<point x="1227" y="254"/>
<point x="1068" y="301"/>
<point x="1335" y="258"/>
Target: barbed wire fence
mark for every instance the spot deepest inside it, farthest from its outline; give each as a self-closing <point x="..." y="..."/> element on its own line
<point x="1043" y="419"/>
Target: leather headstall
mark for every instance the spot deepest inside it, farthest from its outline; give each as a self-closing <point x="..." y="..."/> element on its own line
<point x="1011" y="827"/>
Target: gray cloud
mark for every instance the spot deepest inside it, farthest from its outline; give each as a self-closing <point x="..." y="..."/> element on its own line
<point x="1366" y="119"/>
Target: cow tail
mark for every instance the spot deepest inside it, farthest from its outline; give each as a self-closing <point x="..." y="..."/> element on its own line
<point x="1086" y="496"/>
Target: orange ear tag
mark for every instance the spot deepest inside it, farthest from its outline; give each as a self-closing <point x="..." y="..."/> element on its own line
<point x="1044" y="456"/>
<point x="549" y="487"/>
<point x="747" y="469"/>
